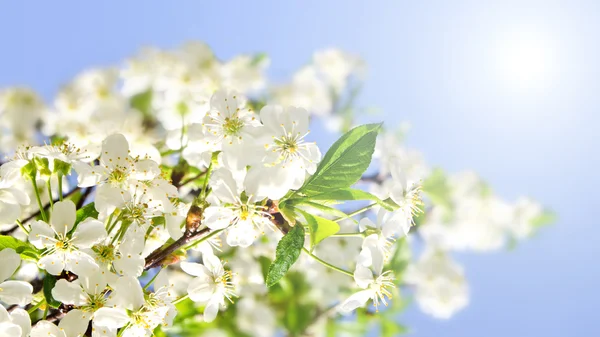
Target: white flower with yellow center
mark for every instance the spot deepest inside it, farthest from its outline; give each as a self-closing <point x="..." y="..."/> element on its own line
<point x="288" y="155"/>
<point x="128" y="307"/>
<point x="236" y="211"/>
<point x="377" y="286"/>
<point x="381" y="237"/>
<point x="117" y="174"/>
<point x="212" y="284"/>
<point x="62" y="245"/>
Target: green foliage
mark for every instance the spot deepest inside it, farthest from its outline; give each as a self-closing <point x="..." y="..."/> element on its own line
<point x="345" y="162"/>
<point x="437" y="189"/>
<point x="325" y="209"/>
<point x="320" y="228"/>
<point x="287" y="252"/>
<point x="544" y="219"/>
<point x="49" y="282"/>
<point x="142" y="102"/>
<point x="351" y="194"/>
<point x="87" y="211"/>
<point x="26" y="250"/>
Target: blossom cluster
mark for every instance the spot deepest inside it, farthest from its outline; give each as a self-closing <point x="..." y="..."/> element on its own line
<point x="180" y="186"/>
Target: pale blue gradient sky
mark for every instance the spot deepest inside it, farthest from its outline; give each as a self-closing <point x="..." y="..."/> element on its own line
<point x="430" y="64"/>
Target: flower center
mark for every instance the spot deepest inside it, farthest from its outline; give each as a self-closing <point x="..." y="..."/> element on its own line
<point x="232" y="126"/>
<point x="106" y="254"/>
<point x="63" y="244"/>
<point x="117" y="176"/>
<point x="94" y="303"/>
<point x="381" y="288"/>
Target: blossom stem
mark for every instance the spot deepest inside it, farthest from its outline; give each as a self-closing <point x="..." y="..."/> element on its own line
<point x="326" y="264"/>
<point x="39" y="200"/>
<point x="182" y="298"/>
<point x="49" y="186"/>
<point x="358" y="211"/>
<point x="344" y="235"/>
<point x="205" y="186"/>
<point x="120" y="333"/>
<point x="35" y="307"/>
<point x="22" y="227"/>
<point x="195" y="243"/>
<point x="60" y="187"/>
<point x="152" y="279"/>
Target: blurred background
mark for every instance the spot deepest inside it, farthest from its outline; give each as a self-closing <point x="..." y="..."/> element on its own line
<point x="506" y="88"/>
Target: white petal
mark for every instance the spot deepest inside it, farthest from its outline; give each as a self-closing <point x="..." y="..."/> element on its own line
<point x="40" y="234"/>
<point x="4" y="316"/>
<point x="102" y="331"/>
<point x="69" y="293"/>
<point x="127" y="293"/>
<point x="201" y="288"/>
<point x="16" y="292"/>
<point x="173" y="224"/>
<point x="366" y="223"/>
<point x="145" y="170"/>
<point x="211" y="309"/>
<point x="45" y="328"/>
<point x="357" y="300"/>
<point x="19" y="196"/>
<point x="363" y="276"/>
<point x="272" y="117"/>
<point x="63" y="216"/>
<point x="9" y="262"/>
<point x="218" y="217"/>
<point x="75" y="323"/>
<point x="108" y="198"/>
<point x="88" y="233"/>
<point x="131" y="264"/>
<point x="194" y="269"/>
<point x="94" y="282"/>
<point x="80" y="263"/>
<point x="21" y="318"/>
<point x="115" y="150"/>
<point x="53" y="263"/>
<point x="8" y="329"/>
<point x="111" y="317"/>
<point x="9" y="212"/>
<point x="213" y="264"/>
<point x="87" y="175"/>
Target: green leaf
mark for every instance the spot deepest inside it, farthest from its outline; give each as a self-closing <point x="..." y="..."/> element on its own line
<point x="142" y="102"/>
<point x="390" y="328"/>
<point x="349" y="194"/>
<point x="25" y="249"/>
<point x="325" y="209"/>
<point x="87" y="211"/>
<point x="544" y="219"/>
<point x="345" y="162"/>
<point x="49" y="283"/>
<point x="437" y="189"/>
<point x="320" y="228"/>
<point x="288" y="251"/>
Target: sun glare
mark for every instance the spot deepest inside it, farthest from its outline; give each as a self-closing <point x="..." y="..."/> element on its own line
<point x="526" y="62"/>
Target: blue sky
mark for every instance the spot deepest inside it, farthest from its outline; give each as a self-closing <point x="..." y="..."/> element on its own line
<point x="435" y="65"/>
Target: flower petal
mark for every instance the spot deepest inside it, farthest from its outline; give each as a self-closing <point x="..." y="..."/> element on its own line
<point x="16" y="292"/>
<point x="111" y="317"/>
<point x="75" y="323"/>
<point x="63" y="216"/>
<point x="89" y="232"/>
<point x="69" y="292"/>
<point x="9" y="262"/>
